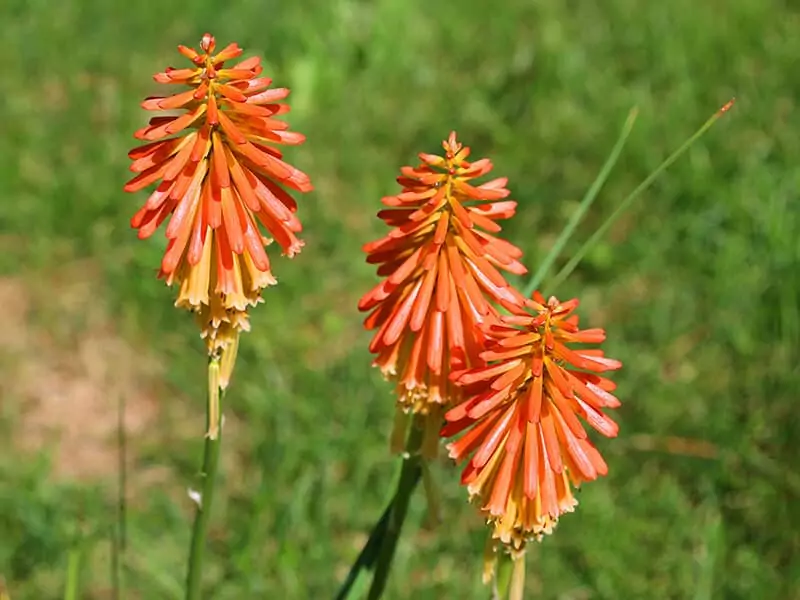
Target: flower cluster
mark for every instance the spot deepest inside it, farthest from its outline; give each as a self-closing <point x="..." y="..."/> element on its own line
<point x="441" y="263"/>
<point x="220" y="179"/>
<point x="521" y="419"/>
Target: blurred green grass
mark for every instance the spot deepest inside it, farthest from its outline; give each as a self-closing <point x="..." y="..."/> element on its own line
<point x="699" y="286"/>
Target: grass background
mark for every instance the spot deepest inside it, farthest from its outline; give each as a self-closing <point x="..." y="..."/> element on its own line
<point x="698" y="286"/>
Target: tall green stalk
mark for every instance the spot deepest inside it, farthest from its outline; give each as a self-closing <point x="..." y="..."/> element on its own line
<point x="409" y="477"/>
<point x="72" y="587"/>
<point x="211" y="451"/>
<point x="119" y="534"/>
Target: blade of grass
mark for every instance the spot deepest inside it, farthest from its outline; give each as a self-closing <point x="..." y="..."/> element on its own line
<point x="151" y="570"/>
<point x="586" y="202"/>
<point x="708" y="555"/>
<point x="648" y="181"/>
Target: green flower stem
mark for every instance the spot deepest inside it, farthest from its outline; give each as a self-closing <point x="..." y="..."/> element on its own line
<point x="71" y="589"/>
<point x="409" y="478"/>
<point x="379" y="550"/>
<point x="502" y="579"/>
<point x="509" y="582"/>
<point x="210" y="463"/>
<point x="517" y="589"/>
<point x="368" y="555"/>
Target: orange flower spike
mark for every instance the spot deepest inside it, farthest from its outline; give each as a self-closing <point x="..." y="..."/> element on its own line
<point x="521" y="433"/>
<point x="441" y="263"/>
<point x="220" y="180"/>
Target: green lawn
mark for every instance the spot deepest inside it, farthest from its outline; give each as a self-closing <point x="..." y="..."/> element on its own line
<point x="698" y="287"/>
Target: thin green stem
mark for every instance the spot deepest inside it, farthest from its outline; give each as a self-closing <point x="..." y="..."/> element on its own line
<point x="73" y="573"/>
<point x="502" y="579"/>
<point x="210" y="463"/>
<point x="586" y="202"/>
<point x="119" y="536"/>
<point x="432" y="495"/>
<point x="517" y="588"/>
<point x="601" y="231"/>
<point x="368" y="555"/>
<point x="409" y="478"/>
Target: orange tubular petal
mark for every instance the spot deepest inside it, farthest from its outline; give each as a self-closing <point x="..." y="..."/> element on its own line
<point x="600" y="364"/>
<point x="212" y="202"/>
<point x="485" y="373"/>
<point x="244" y="109"/>
<point x="556" y="374"/>
<point x="597" y="420"/>
<point x="530" y="471"/>
<point x="252" y="240"/>
<point x="147" y="221"/>
<point x="275" y="167"/>
<point x="455" y="321"/>
<point x="175" y="126"/>
<point x="197" y="239"/>
<point x="142" y="180"/>
<point x="176" y="75"/>
<point x="484" y="222"/>
<point x="267" y="96"/>
<point x="588" y="336"/>
<point x="423" y="302"/>
<point x="550" y="439"/>
<point x="493" y="439"/>
<point x="185" y="207"/>
<point x="154" y="151"/>
<point x="593" y="396"/>
<point x="400" y="317"/>
<point x="510" y="377"/>
<point x="230" y="219"/>
<point x="436" y="342"/>
<point x="561" y="406"/>
<point x="231" y="130"/>
<point x="168" y="102"/>
<point x="228" y="52"/>
<point x="535" y="396"/>
<point x="236" y="74"/>
<point x="412" y="372"/>
<point x="473" y="438"/>
<point x="244" y="182"/>
<point x="179" y="161"/>
<point x="189" y="53"/>
<point x="502" y="485"/>
<point x="443" y="284"/>
<point x="487" y="402"/>
<point x="159" y="196"/>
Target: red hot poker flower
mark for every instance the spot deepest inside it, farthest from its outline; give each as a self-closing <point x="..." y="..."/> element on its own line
<point x="441" y="264"/>
<point x="220" y="179"/>
<point x="520" y="421"/>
